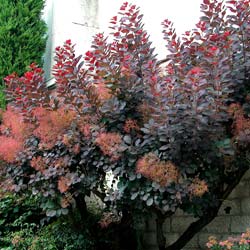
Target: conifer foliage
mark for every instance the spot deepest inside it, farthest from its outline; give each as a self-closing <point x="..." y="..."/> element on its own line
<point x="174" y="136"/>
<point x="22" y="35"/>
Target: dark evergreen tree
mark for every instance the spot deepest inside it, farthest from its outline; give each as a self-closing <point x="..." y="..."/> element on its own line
<point x="22" y="36"/>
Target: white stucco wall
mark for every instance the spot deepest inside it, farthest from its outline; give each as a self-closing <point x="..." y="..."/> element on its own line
<point x="184" y="14"/>
<point x="79" y="20"/>
<point x="48" y="17"/>
<point x="69" y="19"/>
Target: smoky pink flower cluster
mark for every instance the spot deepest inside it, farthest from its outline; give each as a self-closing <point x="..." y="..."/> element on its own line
<point x="13" y="132"/>
<point x="109" y="143"/>
<point x="151" y="167"/>
<point x="52" y="124"/>
<point x="198" y="187"/>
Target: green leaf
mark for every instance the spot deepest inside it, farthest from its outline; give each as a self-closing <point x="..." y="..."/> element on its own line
<point x="127" y="139"/>
<point x="134" y="195"/>
<point x="150" y="202"/>
<point x="2" y="222"/>
<point x="51" y="213"/>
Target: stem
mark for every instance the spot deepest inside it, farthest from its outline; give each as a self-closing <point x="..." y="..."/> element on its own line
<point x="194" y="228"/>
<point x="162" y="61"/>
<point x="160" y="219"/>
<point x="161" y="239"/>
<point x="99" y="194"/>
<point x="82" y="207"/>
<point x="207" y="217"/>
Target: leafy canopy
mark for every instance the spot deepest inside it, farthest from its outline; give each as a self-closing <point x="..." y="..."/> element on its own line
<point x="174" y="135"/>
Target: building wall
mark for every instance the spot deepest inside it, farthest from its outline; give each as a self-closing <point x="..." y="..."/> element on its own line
<point x="223" y="226"/>
<point x="69" y="19"/>
<point x="79" y="20"/>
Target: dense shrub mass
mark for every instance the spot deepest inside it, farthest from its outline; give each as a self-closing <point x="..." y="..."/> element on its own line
<point x="173" y="136"/>
<point x="20" y="228"/>
<point x="20" y="218"/>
